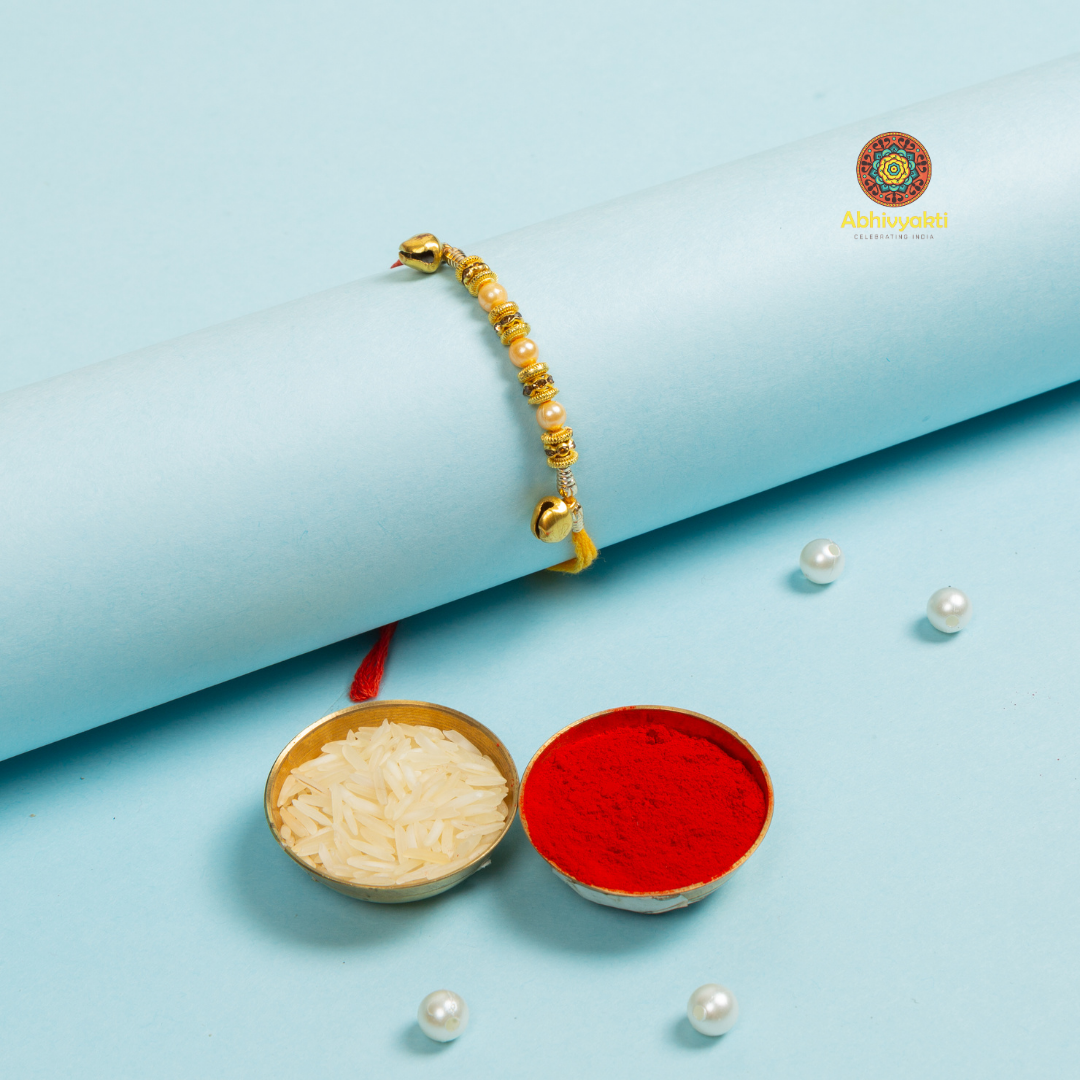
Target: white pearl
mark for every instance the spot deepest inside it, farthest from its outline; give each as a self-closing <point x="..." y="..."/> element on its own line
<point x="948" y="610"/>
<point x="712" y="1009"/>
<point x="442" y="1015"/>
<point x="821" y="561"/>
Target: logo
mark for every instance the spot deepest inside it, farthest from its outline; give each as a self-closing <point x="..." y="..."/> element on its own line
<point x="893" y="168"/>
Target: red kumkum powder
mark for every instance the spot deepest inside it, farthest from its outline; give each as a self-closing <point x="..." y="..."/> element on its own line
<point x="642" y="808"/>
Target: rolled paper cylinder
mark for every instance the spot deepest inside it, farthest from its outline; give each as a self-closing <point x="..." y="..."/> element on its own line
<point x="185" y="514"/>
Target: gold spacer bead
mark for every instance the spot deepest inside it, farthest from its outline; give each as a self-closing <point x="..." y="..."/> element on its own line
<point x="479" y="279"/>
<point x="518" y="328"/>
<point x="533" y="371"/>
<point x="563" y="461"/>
<point x="538" y="397"/>
<point x="475" y="270"/>
<point x="505" y="322"/>
<point x="501" y="311"/>
<point x="464" y="264"/>
<point x="559" y="448"/>
<point x="559" y="435"/>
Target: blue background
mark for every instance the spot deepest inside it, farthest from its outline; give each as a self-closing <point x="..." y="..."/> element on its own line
<point x="201" y="509"/>
<point x="912" y="911"/>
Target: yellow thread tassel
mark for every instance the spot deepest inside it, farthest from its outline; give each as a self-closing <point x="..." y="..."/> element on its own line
<point x="584" y="553"/>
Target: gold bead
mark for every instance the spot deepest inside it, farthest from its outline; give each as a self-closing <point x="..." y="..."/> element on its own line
<point x="513" y="329"/>
<point x="559" y="447"/>
<point x="559" y="435"/>
<point x="564" y="459"/>
<point x="544" y="393"/>
<point x="537" y="385"/>
<point x="533" y="371"/>
<point x="552" y="519"/>
<point x="473" y="272"/>
<point x="422" y="252"/>
<point x="479" y="278"/>
<point x="509" y="315"/>
<point x="464" y="264"/>
<point x="500" y="311"/>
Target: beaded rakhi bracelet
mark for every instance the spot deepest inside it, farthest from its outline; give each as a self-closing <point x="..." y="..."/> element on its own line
<point x="556" y="516"/>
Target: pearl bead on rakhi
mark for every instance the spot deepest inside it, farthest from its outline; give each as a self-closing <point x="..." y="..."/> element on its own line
<point x="524" y="352"/>
<point x="550" y="416"/>
<point x="491" y="294"/>
<point x="556" y="516"/>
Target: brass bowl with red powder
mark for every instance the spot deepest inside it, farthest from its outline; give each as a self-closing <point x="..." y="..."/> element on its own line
<point x="619" y="842"/>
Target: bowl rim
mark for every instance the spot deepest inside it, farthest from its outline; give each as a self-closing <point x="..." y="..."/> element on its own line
<point x="658" y="894"/>
<point x="370" y="706"/>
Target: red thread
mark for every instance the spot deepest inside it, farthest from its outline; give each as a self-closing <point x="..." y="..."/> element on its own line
<point x="365" y="684"/>
<point x="641" y="806"/>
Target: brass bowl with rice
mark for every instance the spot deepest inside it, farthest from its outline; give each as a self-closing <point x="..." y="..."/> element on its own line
<point x="390" y="790"/>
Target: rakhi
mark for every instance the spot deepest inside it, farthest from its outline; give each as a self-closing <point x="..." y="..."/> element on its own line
<point x="555" y="516"/>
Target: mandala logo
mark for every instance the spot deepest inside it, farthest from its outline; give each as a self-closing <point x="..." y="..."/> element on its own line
<point x="893" y="169"/>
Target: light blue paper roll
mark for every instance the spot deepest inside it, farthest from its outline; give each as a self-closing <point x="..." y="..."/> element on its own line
<point x="194" y="511"/>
